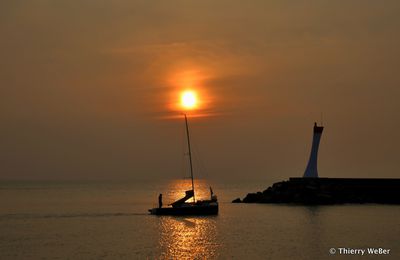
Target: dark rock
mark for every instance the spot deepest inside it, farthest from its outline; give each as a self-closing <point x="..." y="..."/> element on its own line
<point x="253" y="197"/>
<point x="324" y="191"/>
<point x="238" y="200"/>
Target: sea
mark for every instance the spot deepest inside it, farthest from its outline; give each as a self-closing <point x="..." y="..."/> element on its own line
<point x="110" y="220"/>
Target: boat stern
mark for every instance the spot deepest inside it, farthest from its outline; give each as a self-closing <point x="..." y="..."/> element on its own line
<point x="153" y="211"/>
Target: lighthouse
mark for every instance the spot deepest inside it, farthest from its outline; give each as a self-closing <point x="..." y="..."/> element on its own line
<point x="311" y="170"/>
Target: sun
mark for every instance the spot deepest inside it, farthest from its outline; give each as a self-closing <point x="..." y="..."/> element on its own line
<point x="189" y="99"/>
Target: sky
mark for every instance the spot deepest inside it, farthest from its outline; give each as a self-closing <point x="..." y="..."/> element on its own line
<point x="87" y="88"/>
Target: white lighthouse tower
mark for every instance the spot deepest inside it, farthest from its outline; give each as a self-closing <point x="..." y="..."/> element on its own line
<point x="311" y="170"/>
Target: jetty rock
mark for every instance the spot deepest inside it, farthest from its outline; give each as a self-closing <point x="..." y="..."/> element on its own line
<point x="325" y="191"/>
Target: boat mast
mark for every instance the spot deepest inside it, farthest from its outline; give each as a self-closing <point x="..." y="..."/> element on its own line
<point x="190" y="155"/>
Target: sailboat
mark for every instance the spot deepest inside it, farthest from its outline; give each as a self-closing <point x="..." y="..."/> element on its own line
<point x="182" y="207"/>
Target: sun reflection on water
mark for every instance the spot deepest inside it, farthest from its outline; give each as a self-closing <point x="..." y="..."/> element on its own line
<point x="188" y="238"/>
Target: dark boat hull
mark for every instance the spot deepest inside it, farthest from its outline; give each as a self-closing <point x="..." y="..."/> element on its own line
<point x="186" y="211"/>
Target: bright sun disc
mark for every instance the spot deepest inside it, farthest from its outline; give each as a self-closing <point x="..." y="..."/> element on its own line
<point x="189" y="99"/>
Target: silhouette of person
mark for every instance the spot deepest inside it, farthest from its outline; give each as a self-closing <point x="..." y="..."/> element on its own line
<point x="160" y="200"/>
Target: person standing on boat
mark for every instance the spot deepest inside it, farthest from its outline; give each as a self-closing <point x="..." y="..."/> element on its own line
<point x="160" y="200"/>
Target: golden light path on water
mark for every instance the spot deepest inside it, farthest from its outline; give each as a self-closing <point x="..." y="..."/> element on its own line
<point x="187" y="237"/>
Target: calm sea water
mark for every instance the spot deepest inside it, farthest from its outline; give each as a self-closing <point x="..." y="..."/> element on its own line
<point x="109" y="220"/>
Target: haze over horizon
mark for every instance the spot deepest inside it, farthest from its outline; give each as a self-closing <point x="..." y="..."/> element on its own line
<point x="86" y="88"/>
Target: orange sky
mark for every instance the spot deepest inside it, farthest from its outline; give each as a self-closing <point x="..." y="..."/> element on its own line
<point x="88" y="90"/>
